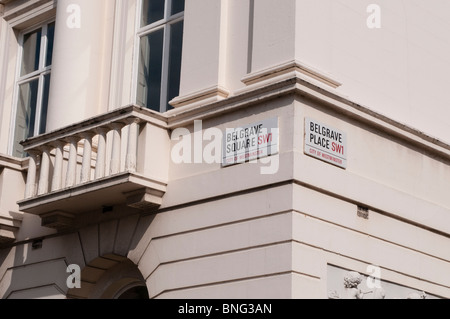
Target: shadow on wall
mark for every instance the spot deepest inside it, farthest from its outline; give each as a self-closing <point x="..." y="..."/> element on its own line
<point x="103" y="259"/>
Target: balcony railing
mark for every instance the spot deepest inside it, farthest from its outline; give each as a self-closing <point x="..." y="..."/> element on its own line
<point x="94" y="164"/>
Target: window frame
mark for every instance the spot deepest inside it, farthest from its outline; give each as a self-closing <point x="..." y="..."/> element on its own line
<point x="142" y="31"/>
<point x="39" y="75"/>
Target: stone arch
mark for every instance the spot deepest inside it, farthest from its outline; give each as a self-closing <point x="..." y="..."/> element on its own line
<point x="118" y="247"/>
<point x="110" y="277"/>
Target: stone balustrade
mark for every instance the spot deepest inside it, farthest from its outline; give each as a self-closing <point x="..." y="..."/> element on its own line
<point x="47" y="161"/>
<point x="98" y="156"/>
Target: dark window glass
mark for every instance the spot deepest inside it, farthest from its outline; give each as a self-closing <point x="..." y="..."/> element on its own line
<point x="150" y="69"/>
<point x="176" y="45"/>
<point x="50" y="41"/>
<point x="160" y="54"/>
<point x="31" y="52"/>
<point x="152" y="11"/>
<point x="26" y="114"/>
<point x="177" y="6"/>
<point x="44" y="106"/>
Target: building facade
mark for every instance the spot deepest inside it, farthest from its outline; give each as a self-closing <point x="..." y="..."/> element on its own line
<point x="224" y="149"/>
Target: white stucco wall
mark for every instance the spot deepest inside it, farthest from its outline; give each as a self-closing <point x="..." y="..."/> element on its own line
<point x="233" y="232"/>
<point x="399" y="70"/>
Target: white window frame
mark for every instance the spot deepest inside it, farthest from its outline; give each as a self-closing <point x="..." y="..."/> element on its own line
<point x="38" y="74"/>
<point x="140" y="32"/>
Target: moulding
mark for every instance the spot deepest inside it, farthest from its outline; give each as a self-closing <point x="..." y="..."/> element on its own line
<point x="26" y="14"/>
<point x="206" y="96"/>
<point x="9" y="227"/>
<point x="108" y="191"/>
<point x="186" y="115"/>
<point x="14" y="163"/>
<point x="287" y="67"/>
<point x="3" y="3"/>
<point x="12" y="222"/>
<point x="298" y="84"/>
<point x="116" y="115"/>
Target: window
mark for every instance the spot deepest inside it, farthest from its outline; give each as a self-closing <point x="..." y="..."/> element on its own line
<point x="160" y="47"/>
<point x="33" y="84"/>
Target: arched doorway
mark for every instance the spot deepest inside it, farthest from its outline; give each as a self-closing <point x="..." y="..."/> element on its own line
<point x="137" y="292"/>
<point x="110" y="277"/>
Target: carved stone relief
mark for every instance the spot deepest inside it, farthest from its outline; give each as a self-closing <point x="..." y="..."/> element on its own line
<point x="348" y="284"/>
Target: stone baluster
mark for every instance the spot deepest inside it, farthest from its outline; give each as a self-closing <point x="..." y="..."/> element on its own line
<point x="85" y="175"/>
<point x="58" y="168"/>
<point x="44" y="175"/>
<point x="101" y="153"/>
<point x="71" y="175"/>
<point x="131" y="156"/>
<point x="30" y="189"/>
<point x="116" y="148"/>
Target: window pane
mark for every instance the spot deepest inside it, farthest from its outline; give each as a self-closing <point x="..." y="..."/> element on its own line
<point x="177" y="6"/>
<point x="150" y="69"/>
<point x="31" y="52"/>
<point x="26" y="114"/>
<point x="152" y="11"/>
<point x="50" y="41"/>
<point x="44" y="107"/>
<point x="176" y="45"/>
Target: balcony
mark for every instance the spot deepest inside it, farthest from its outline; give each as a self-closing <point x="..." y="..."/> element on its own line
<point x="119" y="158"/>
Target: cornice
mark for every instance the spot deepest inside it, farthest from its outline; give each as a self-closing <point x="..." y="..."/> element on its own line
<point x="299" y="84"/>
<point x="17" y="164"/>
<point x="22" y="14"/>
